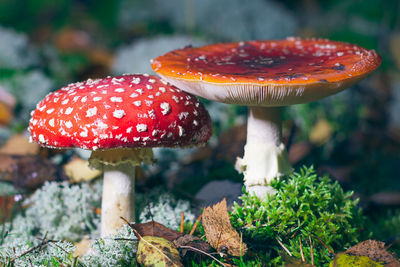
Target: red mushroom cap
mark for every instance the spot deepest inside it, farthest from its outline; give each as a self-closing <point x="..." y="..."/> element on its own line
<point x="279" y="72"/>
<point x="115" y="112"/>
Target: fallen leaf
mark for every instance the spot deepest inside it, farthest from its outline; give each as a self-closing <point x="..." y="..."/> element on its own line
<point x="19" y="145"/>
<point x="7" y="98"/>
<point x="386" y="198"/>
<point x="321" y="132"/>
<point x="191" y="241"/>
<point x="6" y="114"/>
<point x="6" y="206"/>
<point x="157" y="251"/>
<point x="81" y="247"/>
<point x="72" y="40"/>
<point x="373" y="249"/>
<point x="78" y="170"/>
<point x="27" y="172"/>
<point x="219" y="231"/>
<point x="155" y="229"/>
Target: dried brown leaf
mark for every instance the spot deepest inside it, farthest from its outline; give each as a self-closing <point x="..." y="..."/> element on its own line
<point x="219" y="231"/>
<point x="155" y="229"/>
<point x="192" y="241"/>
<point x="19" y="145"/>
<point x="27" y="172"/>
<point x="78" y="170"/>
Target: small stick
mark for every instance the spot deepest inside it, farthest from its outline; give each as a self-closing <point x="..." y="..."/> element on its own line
<point x="312" y="250"/>
<point x="195" y="225"/>
<point x="283" y="246"/>
<point x="124" y="239"/>
<point x="301" y="251"/>
<point x="30" y="250"/>
<point x="205" y="253"/>
<point x="182" y="218"/>
<point x="325" y="245"/>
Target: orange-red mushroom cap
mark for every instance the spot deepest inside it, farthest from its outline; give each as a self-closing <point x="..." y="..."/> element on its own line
<point x="267" y="73"/>
<point x="125" y="111"/>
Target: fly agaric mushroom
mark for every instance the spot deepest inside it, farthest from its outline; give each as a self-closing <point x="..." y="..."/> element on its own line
<point x="266" y="75"/>
<point x="120" y="119"/>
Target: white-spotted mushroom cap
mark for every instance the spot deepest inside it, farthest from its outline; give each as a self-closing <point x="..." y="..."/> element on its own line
<point x="267" y="73"/>
<point x="126" y="111"/>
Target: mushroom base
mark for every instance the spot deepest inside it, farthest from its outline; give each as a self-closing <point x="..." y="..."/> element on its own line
<point x="262" y="163"/>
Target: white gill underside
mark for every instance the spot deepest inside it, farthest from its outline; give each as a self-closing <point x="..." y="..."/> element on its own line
<point x="259" y="95"/>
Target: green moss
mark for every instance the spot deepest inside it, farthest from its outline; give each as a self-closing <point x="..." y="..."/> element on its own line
<point x="305" y="207"/>
<point x="354" y="261"/>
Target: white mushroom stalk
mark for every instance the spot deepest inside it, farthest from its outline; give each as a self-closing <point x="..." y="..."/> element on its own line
<point x="265" y="157"/>
<point x="118" y="166"/>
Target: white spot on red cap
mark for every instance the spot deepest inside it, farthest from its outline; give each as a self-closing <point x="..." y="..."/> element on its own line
<point x="41" y="138"/>
<point x="91" y="112"/>
<point x="119" y="90"/>
<point x="68" y="124"/>
<point x="97" y="98"/>
<point x="183" y="115"/>
<point x="42" y="108"/>
<point x="136" y="80"/>
<point x="51" y="122"/>
<point x="116" y="99"/>
<point x="141" y="127"/>
<point x="181" y="131"/>
<point x="137" y="103"/>
<point x="84" y="133"/>
<point x="68" y="110"/>
<point x="119" y="113"/>
<point x="50" y="110"/>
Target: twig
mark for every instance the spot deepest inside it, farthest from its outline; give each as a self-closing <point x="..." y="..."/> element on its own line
<point x="325" y="245"/>
<point x="124" y="239"/>
<point x="182" y="218"/>
<point x="147" y="242"/>
<point x="195" y="225"/>
<point x="312" y="250"/>
<point x="205" y="253"/>
<point x="283" y="246"/>
<point x="301" y="251"/>
<point x="30" y="250"/>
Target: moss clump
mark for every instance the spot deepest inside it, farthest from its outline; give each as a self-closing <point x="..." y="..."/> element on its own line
<point x="343" y="260"/>
<point x="305" y="207"/>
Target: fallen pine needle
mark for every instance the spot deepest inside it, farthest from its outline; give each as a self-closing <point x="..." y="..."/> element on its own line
<point x="195" y="225"/>
<point x="301" y="251"/>
<point x="182" y="218"/>
<point x="283" y="246"/>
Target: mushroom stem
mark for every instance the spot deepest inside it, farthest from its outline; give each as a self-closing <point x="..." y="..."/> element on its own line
<point x="265" y="157"/>
<point x="118" y="198"/>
